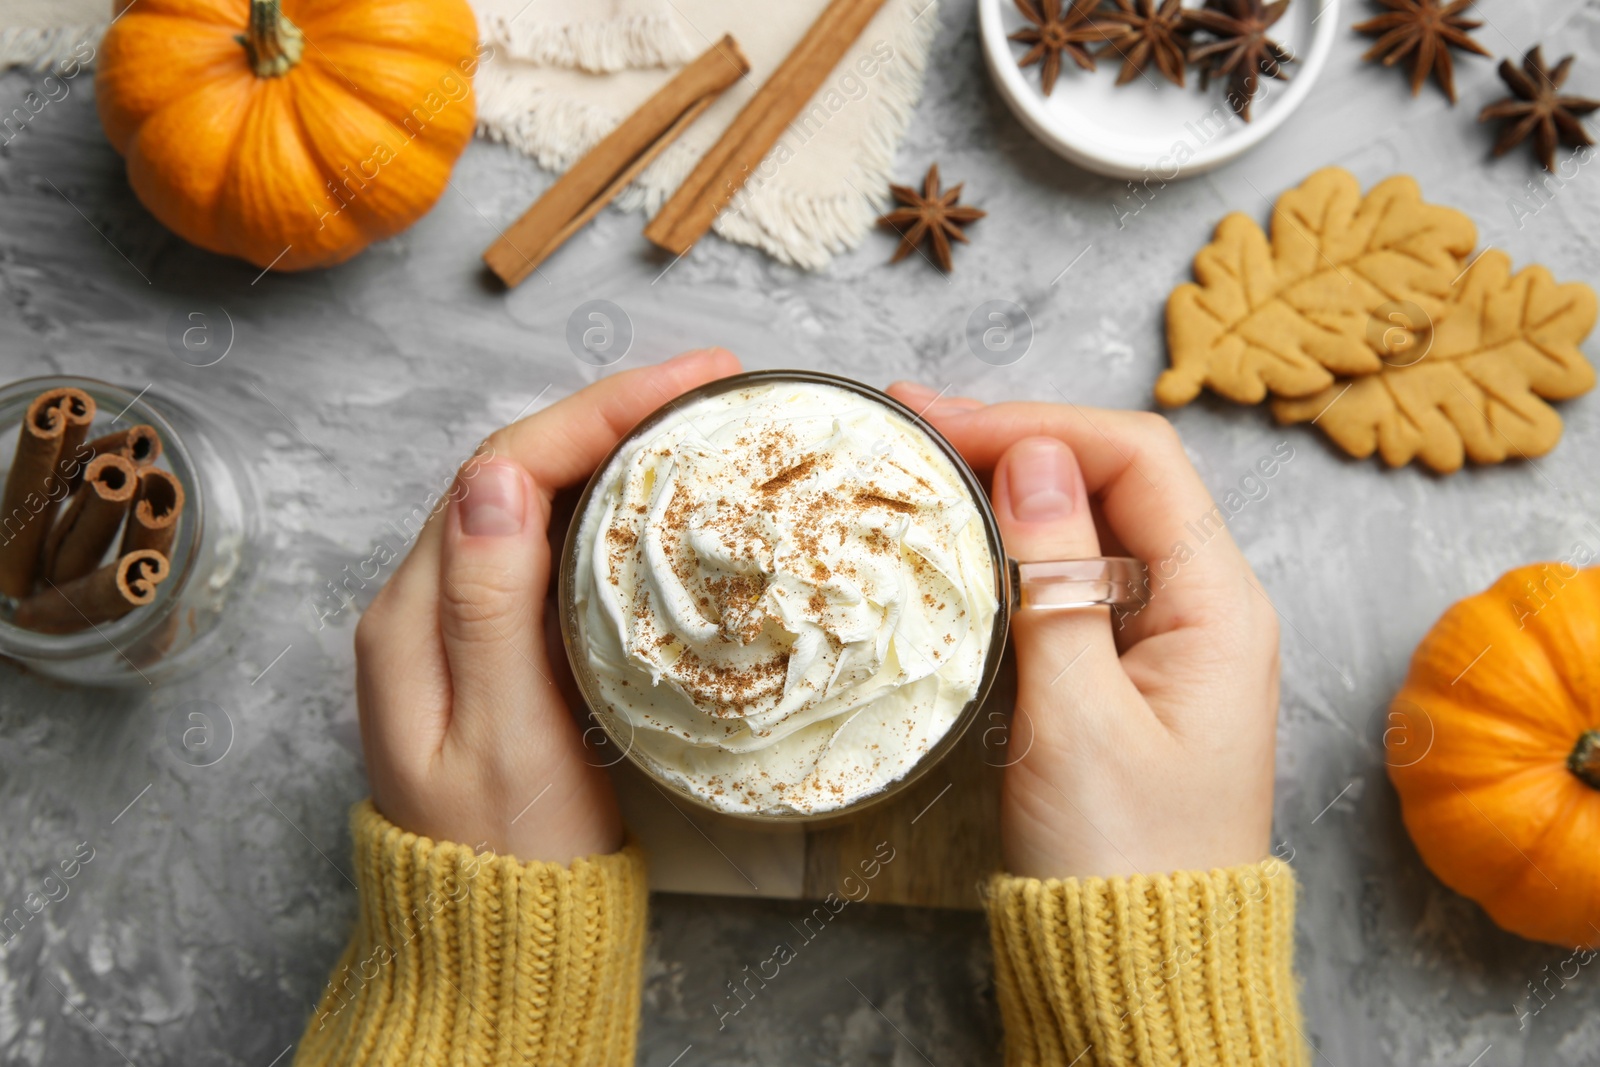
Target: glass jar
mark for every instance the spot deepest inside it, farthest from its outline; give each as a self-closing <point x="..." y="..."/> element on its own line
<point x="210" y="558"/>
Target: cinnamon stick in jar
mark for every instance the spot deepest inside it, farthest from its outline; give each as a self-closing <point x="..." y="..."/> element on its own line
<point x="139" y="443"/>
<point x="78" y="408"/>
<point x="103" y="595"/>
<point x="157" y="507"/>
<point x="90" y="523"/>
<point x="56" y="419"/>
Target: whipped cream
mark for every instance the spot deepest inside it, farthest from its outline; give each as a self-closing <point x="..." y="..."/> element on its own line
<point x="786" y="595"/>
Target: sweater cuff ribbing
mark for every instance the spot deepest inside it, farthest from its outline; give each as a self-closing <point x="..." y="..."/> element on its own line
<point x="1191" y="968"/>
<point x="465" y="958"/>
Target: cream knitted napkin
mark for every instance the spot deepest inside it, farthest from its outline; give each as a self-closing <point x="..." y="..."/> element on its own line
<point x="37" y="33"/>
<point x="564" y="72"/>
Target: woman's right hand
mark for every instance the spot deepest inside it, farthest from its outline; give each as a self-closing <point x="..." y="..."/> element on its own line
<point x="463" y="726"/>
<point x="1145" y="747"/>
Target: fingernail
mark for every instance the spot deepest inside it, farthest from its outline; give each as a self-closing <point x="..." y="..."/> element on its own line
<point x="493" y="504"/>
<point x="1042" y="480"/>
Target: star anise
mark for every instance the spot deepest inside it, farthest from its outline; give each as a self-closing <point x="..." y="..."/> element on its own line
<point x="1054" y="32"/>
<point x="1539" y="108"/>
<point x="1144" y="33"/>
<point x="1425" y="30"/>
<point x="1239" y="47"/>
<point x="931" y="214"/>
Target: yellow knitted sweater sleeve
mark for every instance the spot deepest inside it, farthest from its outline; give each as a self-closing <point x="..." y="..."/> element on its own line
<point x="461" y="958"/>
<point x="1191" y="969"/>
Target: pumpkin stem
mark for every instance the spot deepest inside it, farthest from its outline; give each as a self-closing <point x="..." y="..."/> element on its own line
<point x="1585" y="759"/>
<point x="273" y="43"/>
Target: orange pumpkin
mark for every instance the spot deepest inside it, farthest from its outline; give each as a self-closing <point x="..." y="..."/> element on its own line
<point x="289" y="134"/>
<point x="1494" y="747"/>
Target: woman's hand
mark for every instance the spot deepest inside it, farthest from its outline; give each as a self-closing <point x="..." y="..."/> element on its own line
<point x="1148" y="747"/>
<point x="467" y="737"/>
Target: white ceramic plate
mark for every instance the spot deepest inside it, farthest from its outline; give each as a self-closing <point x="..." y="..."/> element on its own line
<point x="1150" y="126"/>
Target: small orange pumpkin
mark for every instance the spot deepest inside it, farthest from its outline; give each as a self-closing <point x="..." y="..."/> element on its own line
<point x="289" y="134"/>
<point x="1494" y="748"/>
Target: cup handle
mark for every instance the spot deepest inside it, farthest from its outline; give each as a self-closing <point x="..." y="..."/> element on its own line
<point x="1060" y="584"/>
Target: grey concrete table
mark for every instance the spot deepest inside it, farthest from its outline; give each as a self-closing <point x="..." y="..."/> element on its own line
<point x="204" y="928"/>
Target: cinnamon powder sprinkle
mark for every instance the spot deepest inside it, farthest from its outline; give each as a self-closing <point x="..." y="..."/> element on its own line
<point x="730" y="690"/>
<point x="790" y="476"/>
<point x="904" y="507"/>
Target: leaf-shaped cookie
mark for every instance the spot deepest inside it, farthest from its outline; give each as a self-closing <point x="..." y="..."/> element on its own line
<point x="1476" y="390"/>
<point x="1290" y="316"/>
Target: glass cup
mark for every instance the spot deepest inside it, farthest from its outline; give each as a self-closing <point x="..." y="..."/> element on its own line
<point x="210" y="556"/>
<point x="1051" y="585"/>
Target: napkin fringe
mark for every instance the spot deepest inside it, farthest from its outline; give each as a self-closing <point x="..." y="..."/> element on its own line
<point x="39" y="48"/>
<point x="595" y="46"/>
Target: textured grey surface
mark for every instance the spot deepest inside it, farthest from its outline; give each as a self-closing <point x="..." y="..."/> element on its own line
<point x="203" y="928"/>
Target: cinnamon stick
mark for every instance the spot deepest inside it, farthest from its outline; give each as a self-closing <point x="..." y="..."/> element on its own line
<point x="102" y="595"/>
<point x="89" y="525"/>
<point x="722" y="171"/>
<point x="579" y="194"/>
<point x="78" y="407"/>
<point x="139" y="443"/>
<point x="157" y="507"/>
<point x="56" y="418"/>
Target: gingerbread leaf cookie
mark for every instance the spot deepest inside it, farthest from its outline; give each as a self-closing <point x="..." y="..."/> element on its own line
<point x="1289" y="314"/>
<point x="1473" y="386"/>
